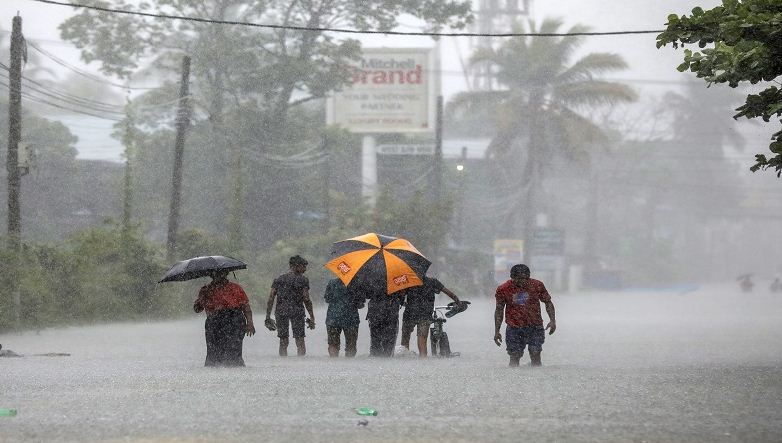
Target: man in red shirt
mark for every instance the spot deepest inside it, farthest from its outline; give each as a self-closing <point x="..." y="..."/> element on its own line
<point x="518" y="299"/>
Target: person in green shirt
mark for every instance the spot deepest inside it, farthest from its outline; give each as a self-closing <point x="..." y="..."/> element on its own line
<point x="342" y="317"/>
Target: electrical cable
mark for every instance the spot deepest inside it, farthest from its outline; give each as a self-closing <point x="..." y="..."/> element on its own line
<point x="64" y="94"/>
<point x="35" y="99"/>
<point x="87" y="103"/>
<point x="85" y="74"/>
<point x="70" y="102"/>
<point x="143" y="108"/>
<point x="343" y="30"/>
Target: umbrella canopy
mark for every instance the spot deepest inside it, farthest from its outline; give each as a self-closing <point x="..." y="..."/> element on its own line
<point x="373" y="260"/>
<point x="201" y="267"/>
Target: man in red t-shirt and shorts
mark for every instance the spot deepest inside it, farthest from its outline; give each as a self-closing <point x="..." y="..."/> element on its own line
<point x="518" y="299"/>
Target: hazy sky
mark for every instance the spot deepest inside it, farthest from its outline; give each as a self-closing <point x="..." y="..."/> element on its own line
<point x="647" y="62"/>
<point x="652" y="71"/>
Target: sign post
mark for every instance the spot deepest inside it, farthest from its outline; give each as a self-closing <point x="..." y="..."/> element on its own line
<point x="507" y="252"/>
<point x="390" y="91"/>
<point x="547" y="254"/>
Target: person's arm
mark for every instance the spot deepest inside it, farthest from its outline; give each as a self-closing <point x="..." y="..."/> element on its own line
<point x="359" y="301"/>
<point x="499" y="313"/>
<point x="328" y="297"/>
<point x="248" y="315"/>
<point x="450" y="294"/>
<point x="270" y="303"/>
<point x="198" y="306"/>
<point x="552" y="324"/>
<point x="308" y="305"/>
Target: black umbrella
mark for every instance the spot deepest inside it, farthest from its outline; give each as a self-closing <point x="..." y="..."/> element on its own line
<point x="201" y="267"/>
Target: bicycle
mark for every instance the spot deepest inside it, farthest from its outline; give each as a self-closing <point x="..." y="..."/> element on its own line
<point x="441" y="346"/>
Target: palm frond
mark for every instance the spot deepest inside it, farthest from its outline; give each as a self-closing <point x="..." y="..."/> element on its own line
<point x="593" y="93"/>
<point x="484" y="55"/>
<point x="476" y="101"/>
<point x="579" y="131"/>
<point x="591" y="65"/>
<point x="558" y="51"/>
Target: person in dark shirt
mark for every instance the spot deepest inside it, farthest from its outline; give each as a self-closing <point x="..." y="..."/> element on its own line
<point x="342" y="317"/>
<point x="518" y="300"/>
<point x="419" y="305"/>
<point x="292" y="292"/>
<point x="383" y="317"/>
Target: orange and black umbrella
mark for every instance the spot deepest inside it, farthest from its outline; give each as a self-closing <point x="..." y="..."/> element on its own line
<point x="378" y="261"/>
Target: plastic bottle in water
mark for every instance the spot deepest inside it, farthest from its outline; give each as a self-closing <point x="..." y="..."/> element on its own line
<point x="366" y="411"/>
<point x="7" y="412"/>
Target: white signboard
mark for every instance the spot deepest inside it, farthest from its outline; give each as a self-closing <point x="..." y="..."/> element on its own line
<point x="405" y="149"/>
<point x="391" y="90"/>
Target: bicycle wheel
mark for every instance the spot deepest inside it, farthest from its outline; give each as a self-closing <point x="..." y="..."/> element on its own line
<point x="445" y="345"/>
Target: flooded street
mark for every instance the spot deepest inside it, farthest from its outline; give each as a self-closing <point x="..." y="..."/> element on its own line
<point x="627" y="151"/>
<point x="631" y="366"/>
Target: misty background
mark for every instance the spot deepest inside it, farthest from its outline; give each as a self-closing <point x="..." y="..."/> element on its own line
<point x="646" y="180"/>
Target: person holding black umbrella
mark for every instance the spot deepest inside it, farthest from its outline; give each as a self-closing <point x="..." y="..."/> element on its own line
<point x="228" y="319"/>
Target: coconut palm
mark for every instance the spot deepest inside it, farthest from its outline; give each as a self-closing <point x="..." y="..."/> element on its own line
<point x="537" y="112"/>
<point x="698" y="122"/>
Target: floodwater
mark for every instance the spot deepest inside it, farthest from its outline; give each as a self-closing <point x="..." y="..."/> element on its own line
<point x="702" y="366"/>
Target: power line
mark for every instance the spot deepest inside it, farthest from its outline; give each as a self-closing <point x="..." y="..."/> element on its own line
<point x="75" y="101"/>
<point x="35" y="99"/>
<point x="66" y="101"/>
<point x="343" y="30"/>
<point x="83" y="73"/>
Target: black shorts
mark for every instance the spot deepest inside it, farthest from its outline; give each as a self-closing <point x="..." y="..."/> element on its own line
<point x="296" y="324"/>
<point x="333" y="336"/>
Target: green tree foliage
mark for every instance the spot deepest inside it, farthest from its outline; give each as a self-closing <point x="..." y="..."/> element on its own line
<point x="537" y="113"/>
<point x="739" y="41"/>
<point x="264" y="68"/>
<point x="251" y="88"/>
<point x="92" y="276"/>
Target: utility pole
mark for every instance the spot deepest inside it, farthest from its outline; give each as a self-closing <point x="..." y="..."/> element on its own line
<point x="462" y="202"/>
<point x="493" y="16"/>
<point x="369" y="169"/>
<point x="127" y="188"/>
<point x="590" y="240"/>
<point x="235" y="237"/>
<point x="12" y="161"/>
<point x="436" y="179"/>
<point x="326" y="184"/>
<point x="14" y="134"/>
<point x="182" y="123"/>
<point x="437" y="158"/>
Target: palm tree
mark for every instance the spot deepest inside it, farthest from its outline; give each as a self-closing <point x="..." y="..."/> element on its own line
<point x="537" y="113"/>
<point x="698" y="122"/>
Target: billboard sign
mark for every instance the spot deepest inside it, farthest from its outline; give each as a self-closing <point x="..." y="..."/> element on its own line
<point x="390" y="91"/>
<point x="547" y="241"/>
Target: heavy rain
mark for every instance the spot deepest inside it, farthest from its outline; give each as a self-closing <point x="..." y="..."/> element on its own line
<point x="390" y="221"/>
